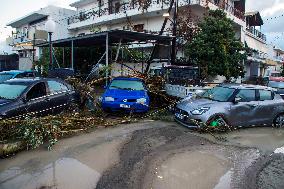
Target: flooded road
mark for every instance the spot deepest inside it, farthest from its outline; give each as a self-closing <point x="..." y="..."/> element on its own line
<point x="149" y="154"/>
<point x="73" y="163"/>
<point x="266" y="139"/>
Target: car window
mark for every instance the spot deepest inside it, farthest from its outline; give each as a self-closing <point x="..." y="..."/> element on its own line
<point x="265" y="95"/>
<point x="11" y="92"/>
<point x="221" y="94"/>
<point x="276" y="84"/>
<point x="127" y="85"/>
<point x="27" y="74"/>
<point x="55" y="87"/>
<point x="5" y="77"/>
<point x="246" y="95"/>
<point x="39" y="90"/>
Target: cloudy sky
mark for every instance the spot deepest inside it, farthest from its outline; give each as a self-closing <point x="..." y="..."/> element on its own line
<point x="274" y="28"/>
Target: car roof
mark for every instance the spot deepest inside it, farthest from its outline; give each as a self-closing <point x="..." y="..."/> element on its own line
<point x="29" y="81"/>
<point x="246" y="86"/>
<point x="128" y="78"/>
<point x="15" y="71"/>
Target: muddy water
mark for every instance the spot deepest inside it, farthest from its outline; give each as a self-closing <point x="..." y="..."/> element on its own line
<point x="81" y="171"/>
<point x="76" y="162"/>
<point x="264" y="138"/>
<point x="190" y="170"/>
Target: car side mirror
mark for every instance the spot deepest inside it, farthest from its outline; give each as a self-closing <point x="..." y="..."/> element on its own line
<point x="237" y="100"/>
<point x="25" y="100"/>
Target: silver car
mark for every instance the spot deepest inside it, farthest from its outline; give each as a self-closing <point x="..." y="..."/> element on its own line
<point x="235" y="105"/>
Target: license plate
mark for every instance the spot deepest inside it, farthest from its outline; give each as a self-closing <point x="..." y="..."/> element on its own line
<point x="124" y="106"/>
<point x="180" y="116"/>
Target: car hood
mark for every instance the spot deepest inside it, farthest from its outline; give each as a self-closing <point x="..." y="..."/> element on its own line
<point x="192" y="104"/>
<point x="125" y="93"/>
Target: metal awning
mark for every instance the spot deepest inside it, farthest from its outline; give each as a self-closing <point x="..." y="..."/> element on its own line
<point x="114" y="36"/>
<point x="26" y="20"/>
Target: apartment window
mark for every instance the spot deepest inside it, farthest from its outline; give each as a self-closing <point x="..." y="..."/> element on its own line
<point x="138" y="27"/>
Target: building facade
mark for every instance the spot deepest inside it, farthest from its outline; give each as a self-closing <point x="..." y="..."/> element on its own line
<point x="102" y="15"/>
<point x="30" y="31"/>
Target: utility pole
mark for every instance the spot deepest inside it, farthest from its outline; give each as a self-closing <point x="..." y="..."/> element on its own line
<point x="174" y="41"/>
<point x="34" y="51"/>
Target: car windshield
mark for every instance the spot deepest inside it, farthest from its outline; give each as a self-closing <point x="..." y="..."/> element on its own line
<point x="127" y="85"/>
<point x="276" y="85"/>
<point x="5" y="77"/>
<point x="221" y="94"/>
<point x="11" y="92"/>
<point x="276" y="74"/>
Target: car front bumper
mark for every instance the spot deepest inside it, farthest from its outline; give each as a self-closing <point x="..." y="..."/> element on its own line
<point x="188" y="120"/>
<point x="125" y="106"/>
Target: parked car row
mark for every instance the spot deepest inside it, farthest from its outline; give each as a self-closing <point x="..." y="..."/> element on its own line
<point x="23" y="94"/>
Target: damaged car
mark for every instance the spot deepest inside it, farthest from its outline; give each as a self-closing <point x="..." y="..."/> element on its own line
<point x="126" y="94"/>
<point x="30" y="97"/>
<point x="234" y="105"/>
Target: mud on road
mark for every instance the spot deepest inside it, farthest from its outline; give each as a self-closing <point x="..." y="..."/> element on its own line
<point x="149" y="154"/>
<point x="174" y="158"/>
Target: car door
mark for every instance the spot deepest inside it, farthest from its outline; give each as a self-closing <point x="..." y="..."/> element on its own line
<point x="37" y="102"/>
<point x="267" y="107"/>
<point x="242" y="114"/>
<point x="59" y="95"/>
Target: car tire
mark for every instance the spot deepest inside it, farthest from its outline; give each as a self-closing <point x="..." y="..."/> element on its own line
<point x="279" y="121"/>
<point x="217" y="121"/>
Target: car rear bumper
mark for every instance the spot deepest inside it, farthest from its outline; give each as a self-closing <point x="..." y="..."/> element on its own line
<point x="125" y="106"/>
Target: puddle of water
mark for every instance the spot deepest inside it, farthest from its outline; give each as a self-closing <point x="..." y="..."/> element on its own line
<point x="264" y="138"/>
<point x="190" y="170"/>
<point x="65" y="173"/>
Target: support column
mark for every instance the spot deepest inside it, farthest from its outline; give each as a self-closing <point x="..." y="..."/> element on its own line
<point x="107" y="74"/>
<point x="72" y="54"/>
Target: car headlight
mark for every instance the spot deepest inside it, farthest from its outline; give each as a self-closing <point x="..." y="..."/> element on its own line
<point x="200" y="111"/>
<point x="141" y="100"/>
<point x="109" y="99"/>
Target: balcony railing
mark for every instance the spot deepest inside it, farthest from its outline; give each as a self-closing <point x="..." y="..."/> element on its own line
<point x="120" y="7"/>
<point x="117" y="8"/>
<point x="229" y="8"/>
<point x="28" y="36"/>
<point x="256" y="33"/>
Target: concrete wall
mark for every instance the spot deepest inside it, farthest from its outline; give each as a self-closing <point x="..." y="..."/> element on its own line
<point x="25" y="63"/>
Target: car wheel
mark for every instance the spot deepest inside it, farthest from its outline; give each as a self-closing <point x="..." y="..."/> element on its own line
<point x="217" y="121"/>
<point x="279" y="121"/>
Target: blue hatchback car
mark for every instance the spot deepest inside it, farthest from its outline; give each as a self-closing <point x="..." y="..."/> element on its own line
<point x="126" y="94"/>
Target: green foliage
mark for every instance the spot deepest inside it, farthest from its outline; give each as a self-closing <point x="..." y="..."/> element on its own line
<point x="34" y="133"/>
<point x="215" y="49"/>
<point x="282" y="70"/>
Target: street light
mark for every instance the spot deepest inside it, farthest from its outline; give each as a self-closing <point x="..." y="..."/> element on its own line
<point x="50" y="28"/>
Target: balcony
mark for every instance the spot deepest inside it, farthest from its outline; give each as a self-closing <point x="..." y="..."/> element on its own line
<point x="229" y="9"/>
<point x="118" y="10"/>
<point x="279" y="59"/>
<point x="257" y="34"/>
<point x="27" y="37"/>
